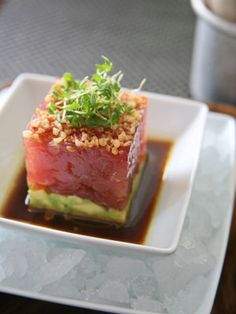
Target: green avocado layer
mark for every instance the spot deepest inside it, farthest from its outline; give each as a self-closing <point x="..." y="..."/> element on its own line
<point x="79" y="207"/>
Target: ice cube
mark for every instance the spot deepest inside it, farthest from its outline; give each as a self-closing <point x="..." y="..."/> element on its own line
<point x="68" y="285"/>
<point x="200" y="222"/>
<point x="45" y="272"/>
<point x="102" y="260"/>
<point x="92" y="284"/>
<point x="114" y="291"/>
<point x="88" y="266"/>
<point x="12" y="258"/>
<point x="189" y="299"/>
<point x="13" y="261"/>
<point x="19" y="264"/>
<point x="144" y="285"/>
<point x="145" y="303"/>
<point x="123" y="268"/>
<point x="216" y="208"/>
<point x="2" y="273"/>
<point x="88" y="295"/>
<point x="190" y="249"/>
<point x="62" y="288"/>
<point x="60" y="265"/>
<point x="164" y="269"/>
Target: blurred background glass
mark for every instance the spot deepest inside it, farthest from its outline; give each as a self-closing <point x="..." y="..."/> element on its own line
<point x="213" y="75"/>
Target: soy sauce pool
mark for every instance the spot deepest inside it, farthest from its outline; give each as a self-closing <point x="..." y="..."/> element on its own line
<point x="143" y="206"/>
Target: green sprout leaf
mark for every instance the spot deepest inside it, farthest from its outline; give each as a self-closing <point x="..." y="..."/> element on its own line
<point x="106" y="66"/>
<point x="68" y="77"/>
<point x="90" y="102"/>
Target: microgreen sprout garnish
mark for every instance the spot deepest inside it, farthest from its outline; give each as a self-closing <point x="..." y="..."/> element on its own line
<point x="91" y="102"/>
<point x="140" y="86"/>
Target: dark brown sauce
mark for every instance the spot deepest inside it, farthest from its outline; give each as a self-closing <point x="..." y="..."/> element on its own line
<point x="141" y="212"/>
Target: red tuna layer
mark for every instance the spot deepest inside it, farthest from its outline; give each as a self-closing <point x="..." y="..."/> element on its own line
<point x="91" y="173"/>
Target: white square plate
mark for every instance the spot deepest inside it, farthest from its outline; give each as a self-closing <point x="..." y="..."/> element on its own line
<point x="169" y="118"/>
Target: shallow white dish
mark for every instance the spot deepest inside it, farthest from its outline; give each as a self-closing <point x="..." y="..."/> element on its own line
<point x="179" y="120"/>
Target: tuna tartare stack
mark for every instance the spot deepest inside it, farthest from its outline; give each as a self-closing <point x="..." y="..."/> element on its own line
<point x="85" y="147"/>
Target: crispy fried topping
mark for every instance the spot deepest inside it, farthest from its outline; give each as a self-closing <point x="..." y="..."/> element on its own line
<point x="112" y="139"/>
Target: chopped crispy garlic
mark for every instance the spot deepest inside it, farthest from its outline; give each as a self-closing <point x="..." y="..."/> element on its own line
<point x="27" y="134"/>
<point x="112" y="139"/>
